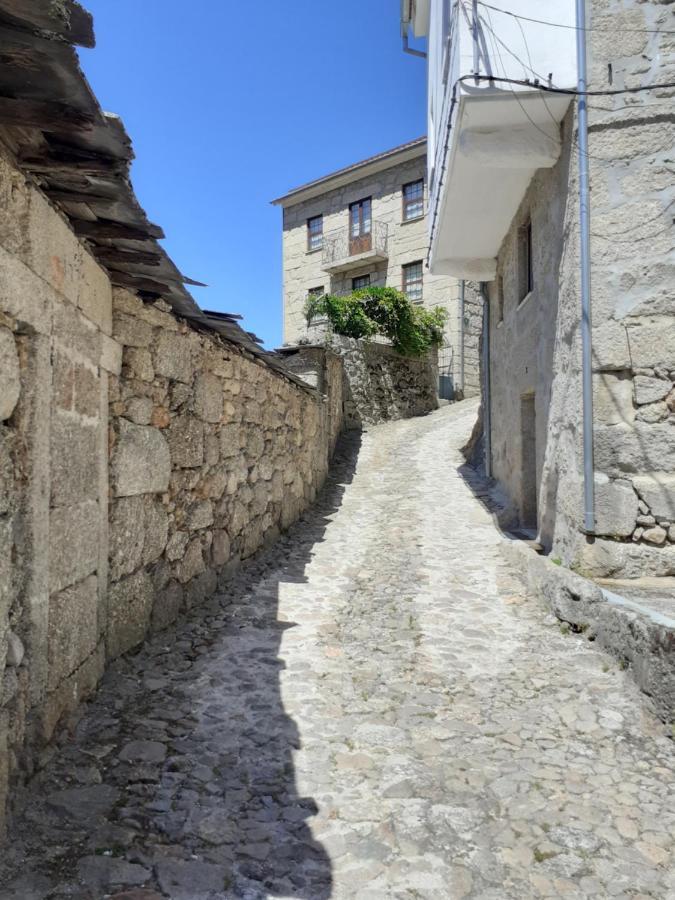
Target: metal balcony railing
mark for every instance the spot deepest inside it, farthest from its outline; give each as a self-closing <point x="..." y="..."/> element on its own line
<point x="340" y="247"/>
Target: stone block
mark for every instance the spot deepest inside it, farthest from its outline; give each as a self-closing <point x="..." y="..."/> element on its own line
<point x="649" y="390"/>
<point x="167" y="606"/>
<point x="141" y="463"/>
<point x="10" y="376"/>
<point x="652" y="341"/>
<point x="94" y="294"/>
<point x="87" y="392"/>
<point x="111" y="355"/>
<point x="230" y="440"/>
<point x="658" y="492"/>
<point x="73" y="628"/>
<point x="131" y="331"/>
<point x="208" y="397"/>
<point x="71" y="692"/>
<point x="138" y="533"/>
<point x="74" y="454"/>
<point x="616" y="507"/>
<point x="72" y="332"/>
<point x="200" y="515"/>
<point x="139" y="410"/>
<point x="156" y="529"/>
<point x="626" y="449"/>
<point x="130" y="603"/>
<point x="186" y="440"/>
<point x="177" y="545"/>
<point x="73" y="543"/>
<point x="192" y="563"/>
<point x="173" y="357"/>
<point x="220" y="548"/>
<point x="201" y="588"/>
<point x="137" y="362"/>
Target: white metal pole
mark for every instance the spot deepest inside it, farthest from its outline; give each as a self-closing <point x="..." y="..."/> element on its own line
<point x="585" y="253"/>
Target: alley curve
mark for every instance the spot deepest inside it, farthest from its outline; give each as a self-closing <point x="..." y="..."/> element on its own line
<point x="373" y="709"/>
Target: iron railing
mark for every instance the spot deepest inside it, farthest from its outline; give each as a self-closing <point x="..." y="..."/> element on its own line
<point x="340" y="244"/>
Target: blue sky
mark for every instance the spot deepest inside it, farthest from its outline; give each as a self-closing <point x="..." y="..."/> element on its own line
<point x="229" y="104"/>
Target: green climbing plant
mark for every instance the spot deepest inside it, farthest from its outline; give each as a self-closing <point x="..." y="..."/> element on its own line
<point x="384" y="311"/>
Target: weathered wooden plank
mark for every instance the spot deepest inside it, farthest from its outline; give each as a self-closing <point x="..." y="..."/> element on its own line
<point x="137" y="282"/>
<point x="105" y="229"/>
<point x="134" y="257"/>
<point x="46" y="116"/>
<point x="67" y="19"/>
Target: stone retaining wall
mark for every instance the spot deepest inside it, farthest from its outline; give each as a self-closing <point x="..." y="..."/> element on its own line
<point x="378" y="384"/>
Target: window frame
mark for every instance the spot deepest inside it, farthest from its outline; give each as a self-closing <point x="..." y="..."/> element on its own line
<point x="360" y="278"/>
<point x="311" y="234"/>
<point x="359" y="204"/>
<point x="319" y="290"/>
<point x="406" y="203"/>
<point x="405" y="268"/>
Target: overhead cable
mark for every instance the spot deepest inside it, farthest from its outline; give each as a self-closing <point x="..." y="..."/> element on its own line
<point x="573" y="92"/>
<point x="577" y="27"/>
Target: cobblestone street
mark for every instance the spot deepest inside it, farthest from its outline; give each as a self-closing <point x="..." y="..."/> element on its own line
<point x="373" y="710"/>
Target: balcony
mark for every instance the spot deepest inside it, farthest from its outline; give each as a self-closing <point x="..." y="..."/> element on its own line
<point x="342" y="251"/>
<point x="490" y="127"/>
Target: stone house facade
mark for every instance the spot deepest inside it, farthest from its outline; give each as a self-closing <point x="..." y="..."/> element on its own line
<point x="528" y="259"/>
<point x="367" y="225"/>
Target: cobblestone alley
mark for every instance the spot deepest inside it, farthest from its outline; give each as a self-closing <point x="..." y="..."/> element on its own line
<point x="375" y="710"/>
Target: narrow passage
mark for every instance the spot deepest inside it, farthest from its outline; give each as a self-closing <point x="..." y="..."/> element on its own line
<point x="372" y="710"/>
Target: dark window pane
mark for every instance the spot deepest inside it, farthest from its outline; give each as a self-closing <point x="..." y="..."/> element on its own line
<point x="362" y="281"/>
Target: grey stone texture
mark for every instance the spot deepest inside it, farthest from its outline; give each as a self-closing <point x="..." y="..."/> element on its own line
<point x="374" y="708"/>
<point x="536" y="349"/>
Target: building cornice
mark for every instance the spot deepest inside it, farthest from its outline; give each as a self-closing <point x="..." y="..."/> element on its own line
<point x="362" y="169"/>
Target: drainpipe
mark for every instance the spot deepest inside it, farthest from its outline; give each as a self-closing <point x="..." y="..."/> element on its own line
<point x="408" y="49"/>
<point x="585" y="252"/>
<point x="462" y="287"/>
<point x="487" y="403"/>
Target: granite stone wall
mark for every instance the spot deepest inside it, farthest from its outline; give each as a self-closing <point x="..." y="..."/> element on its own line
<point x="535" y="343"/>
<point x="377" y="384"/>
<point x="140" y="461"/>
<point x="213" y="454"/>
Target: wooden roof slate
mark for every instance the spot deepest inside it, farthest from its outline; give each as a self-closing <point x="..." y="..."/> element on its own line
<point x="80" y="156"/>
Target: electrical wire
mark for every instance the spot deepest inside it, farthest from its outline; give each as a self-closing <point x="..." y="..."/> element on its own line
<point x="578" y="27"/>
<point x="572" y="92"/>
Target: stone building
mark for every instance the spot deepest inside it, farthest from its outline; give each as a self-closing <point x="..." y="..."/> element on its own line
<point x="367" y="225"/>
<point x="504" y="157"/>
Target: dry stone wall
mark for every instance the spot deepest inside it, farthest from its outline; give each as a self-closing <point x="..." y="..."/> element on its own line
<point x="212" y="455"/>
<point x="140" y="461"/>
<point x="377" y="384"/>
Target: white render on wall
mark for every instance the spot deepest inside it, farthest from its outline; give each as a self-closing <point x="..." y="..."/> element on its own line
<point x="305" y="270"/>
<point x="487" y="138"/>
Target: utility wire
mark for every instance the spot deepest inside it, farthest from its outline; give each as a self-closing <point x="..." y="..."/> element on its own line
<point x="542" y="97"/>
<point x="572" y="92"/>
<point x="577" y="27"/>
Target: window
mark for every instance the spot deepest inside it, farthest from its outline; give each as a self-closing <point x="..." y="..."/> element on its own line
<point x="412" y="281"/>
<point x="363" y="281"/>
<point x="317" y="292"/>
<point x="360" y="217"/>
<point x="315" y="233"/>
<point x="525" y="271"/>
<point x="413" y="200"/>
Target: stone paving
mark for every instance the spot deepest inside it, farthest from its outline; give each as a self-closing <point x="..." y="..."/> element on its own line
<point x="373" y="710"/>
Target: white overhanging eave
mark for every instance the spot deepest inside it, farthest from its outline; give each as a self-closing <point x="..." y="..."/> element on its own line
<point x="498" y="140"/>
